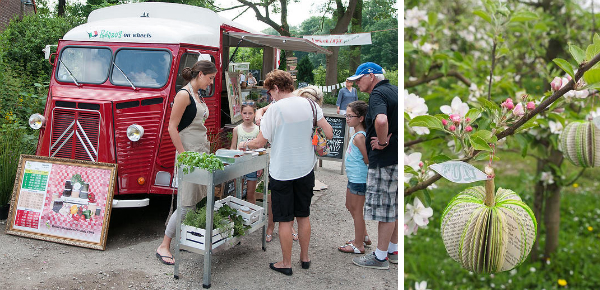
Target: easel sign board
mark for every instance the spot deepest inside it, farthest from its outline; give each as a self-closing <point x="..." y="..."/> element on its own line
<point x="338" y="144"/>
<point x="62" y="200"/>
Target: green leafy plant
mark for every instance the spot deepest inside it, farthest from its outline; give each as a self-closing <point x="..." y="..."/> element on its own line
<point x="221" y="220"/>
<point x="14" y="141"/>
<point x="190" y="160"/>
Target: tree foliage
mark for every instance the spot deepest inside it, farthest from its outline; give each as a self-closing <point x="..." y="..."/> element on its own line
<point x="305" y="71"/>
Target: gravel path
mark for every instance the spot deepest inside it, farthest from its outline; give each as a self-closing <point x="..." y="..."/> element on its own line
<point x="129" y="262"/>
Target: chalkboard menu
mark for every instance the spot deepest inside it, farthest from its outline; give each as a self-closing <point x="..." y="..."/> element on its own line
<point x="337" y="143"/>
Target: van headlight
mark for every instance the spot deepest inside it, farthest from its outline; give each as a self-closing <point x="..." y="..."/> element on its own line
<point x="36" y="121"/>
<point x="135" y="132"/>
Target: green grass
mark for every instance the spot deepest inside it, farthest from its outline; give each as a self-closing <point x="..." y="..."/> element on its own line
<point x="577" y="259"/>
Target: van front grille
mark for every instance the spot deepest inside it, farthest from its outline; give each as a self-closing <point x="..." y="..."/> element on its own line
<point x="75" y="134"/>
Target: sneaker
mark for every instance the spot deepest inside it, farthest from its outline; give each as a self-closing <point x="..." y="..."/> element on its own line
<point x="370" y="261"/>
<point x="393" y="257"/>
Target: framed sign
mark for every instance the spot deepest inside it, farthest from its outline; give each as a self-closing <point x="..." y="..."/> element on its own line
<point x="234" y="95"/>
<point x="62" y="200"/>
<point x="338" y="144"/>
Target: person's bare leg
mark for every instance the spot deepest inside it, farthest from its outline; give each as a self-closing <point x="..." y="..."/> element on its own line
<point x="285" y="240"/>
<point x="250" y="190"/>
<point x="165" y="249"/>
<point x="304" y="234"/>
<point x="384" y="234"/>
<point x="270" y="224"/>
<point x="394" y="238"/>
<point x="357" y="203"/>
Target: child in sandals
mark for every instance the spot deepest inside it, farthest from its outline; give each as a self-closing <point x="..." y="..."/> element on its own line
<point x="356" y="163"/>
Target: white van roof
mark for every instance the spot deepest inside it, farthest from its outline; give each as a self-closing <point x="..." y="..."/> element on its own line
<point x="154" y="22"/>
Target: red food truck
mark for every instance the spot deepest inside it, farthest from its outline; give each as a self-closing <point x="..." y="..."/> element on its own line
<point x="113" y="83"/>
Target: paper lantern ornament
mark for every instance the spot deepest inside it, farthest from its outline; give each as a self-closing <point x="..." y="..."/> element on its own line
<point x="580" y="144"/>
<point x="487" y="232"/>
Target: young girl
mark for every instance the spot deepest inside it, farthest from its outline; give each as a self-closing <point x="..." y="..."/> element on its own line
<point x="243" y="132"/>
<point x="356" y="168"/>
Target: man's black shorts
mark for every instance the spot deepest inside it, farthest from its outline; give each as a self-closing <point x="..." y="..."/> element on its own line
<point x="291" y="198"/>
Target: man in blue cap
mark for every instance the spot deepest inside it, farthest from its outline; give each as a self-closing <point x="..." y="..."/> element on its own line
<point x="381" y="198"/>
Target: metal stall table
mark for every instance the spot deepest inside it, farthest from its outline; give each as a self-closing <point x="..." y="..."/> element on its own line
<point x="242" y="166"/>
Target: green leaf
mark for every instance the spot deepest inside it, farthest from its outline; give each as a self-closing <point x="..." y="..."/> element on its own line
<point x="408" y="46"/>
<point x="486" y="156"/>
<point x="406" y="116"/>
<point x="480" y="144"/>
<point x="503" y="51"/>
<point x="595" y="86"/>
<point x="427" y="121"/>
<point x="484" y="15"/>
<point x="432" y="18"/>
<point x="592" y="49"/>
<point x="577" y="53"/>
<point x="458" y="56"/>
<point x="523" y="16"/>
<point x="485" y="135"/>
<point x="424" y="197"/>
<point x="592" y="76"/>
<point x="565" y="65"/>
<point x="529" y="124"/>
<point x="473" y="114"/>
<point x="489" y="105"/>
<point x="523" y="143"/>
<point x="440" y="158"/>
<point x="408" y="169"/>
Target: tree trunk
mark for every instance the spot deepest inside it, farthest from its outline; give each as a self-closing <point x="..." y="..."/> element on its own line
<point x="355" y="27"/>
<point x="332" y="66"/>
<point x="538" y="204"/>
<point x="61" y="8"/>
<point x="340" y="27"/>
<point x="552" y="220"/>
<point x="552" y="210"/>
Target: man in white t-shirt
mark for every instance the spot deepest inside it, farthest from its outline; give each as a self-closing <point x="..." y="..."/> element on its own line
<point x="287" y="125"/>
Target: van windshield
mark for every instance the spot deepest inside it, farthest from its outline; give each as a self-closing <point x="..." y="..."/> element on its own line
<point x="88" y="65"/>
<point x="145" y="68"/>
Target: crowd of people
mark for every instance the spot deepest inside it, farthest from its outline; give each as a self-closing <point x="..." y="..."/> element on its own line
<point x="371" y="159"/>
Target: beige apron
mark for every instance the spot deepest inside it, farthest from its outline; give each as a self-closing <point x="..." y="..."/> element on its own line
<point x="193" y="138"/>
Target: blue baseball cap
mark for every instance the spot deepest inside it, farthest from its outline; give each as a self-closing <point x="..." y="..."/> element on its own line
<point x="364" y="69"/>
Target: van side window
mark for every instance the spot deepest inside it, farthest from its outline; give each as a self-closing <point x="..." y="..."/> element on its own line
<point x="144" y="68"/>
<point x="188" y="59"/>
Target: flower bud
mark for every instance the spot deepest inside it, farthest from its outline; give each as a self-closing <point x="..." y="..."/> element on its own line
<point x="556" y="83"/>
<point x="518" y="111"/>
<point x="468" y="128"/>
<point x="559" y="110"/>
<point x="452" y="128"/>
<point x="468" y="120"/>
<point x="530" y="106"/>
<point x="421" y="164"/>
<point x="445" y="122"/>
<point x="455" y="118"/>
<point x="508" y="105"/>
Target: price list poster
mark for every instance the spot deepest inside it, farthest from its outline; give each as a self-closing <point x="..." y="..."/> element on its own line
<point x="62" y="200"/>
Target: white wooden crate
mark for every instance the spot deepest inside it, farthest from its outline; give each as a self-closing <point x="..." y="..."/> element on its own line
<point x="194" y="237"/>
<point x="236" y="203"/>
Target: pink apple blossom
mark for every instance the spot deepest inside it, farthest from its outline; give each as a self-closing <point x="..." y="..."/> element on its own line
<point x="518" y="111"/>
<point x="421" y="164"/>
<point x="530" y="106"/>
<point x="468" y="120"/>
<point x="452" y="128"/>
<point x="468" y="128"/>
<point x="455" y="118"/>
<point x="508" y="105"/>
<point x="445" y="122"/>
<point x="556" y="83"/>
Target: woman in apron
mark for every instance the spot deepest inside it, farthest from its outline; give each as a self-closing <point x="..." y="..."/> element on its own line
<point x="188" y="133"/>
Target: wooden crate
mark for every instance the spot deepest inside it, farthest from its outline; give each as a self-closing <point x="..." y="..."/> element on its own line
<point x="194" y="237"/>
<point x="236" y="203"/>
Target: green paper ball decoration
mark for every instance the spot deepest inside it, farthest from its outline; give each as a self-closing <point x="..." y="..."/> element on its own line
<point x="580" y="144"/>
<point x="488" y="239"/>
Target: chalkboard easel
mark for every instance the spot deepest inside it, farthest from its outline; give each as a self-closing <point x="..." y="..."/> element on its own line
<point x="338" y="144"/>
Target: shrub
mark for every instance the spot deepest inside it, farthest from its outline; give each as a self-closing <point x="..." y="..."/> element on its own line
<point x="14" y="141"/>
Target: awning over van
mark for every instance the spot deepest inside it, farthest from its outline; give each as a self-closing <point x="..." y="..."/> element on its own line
<point x="281" y="42"/>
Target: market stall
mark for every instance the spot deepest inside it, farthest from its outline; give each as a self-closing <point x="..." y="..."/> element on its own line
<point x="237" y="167"/>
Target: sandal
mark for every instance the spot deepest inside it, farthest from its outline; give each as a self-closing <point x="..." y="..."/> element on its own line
<point x="355" y="250"/>
<point x="366" y="242"/>
<point x="269" y="238"/>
